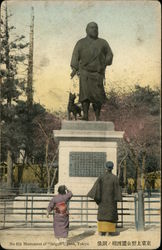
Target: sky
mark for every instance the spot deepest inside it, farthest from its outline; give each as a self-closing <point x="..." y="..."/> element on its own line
<point x="132" y="29"/>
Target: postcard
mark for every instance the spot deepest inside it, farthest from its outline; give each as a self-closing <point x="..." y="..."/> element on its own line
<point x="80" y="124"/>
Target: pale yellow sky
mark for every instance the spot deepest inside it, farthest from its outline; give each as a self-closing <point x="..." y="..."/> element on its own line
<point x="132" y="29"/>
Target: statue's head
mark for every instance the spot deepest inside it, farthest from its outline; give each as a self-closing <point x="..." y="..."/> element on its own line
<point x="92" y="30"/>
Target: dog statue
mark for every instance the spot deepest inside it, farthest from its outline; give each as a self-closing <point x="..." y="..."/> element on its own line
<point x="72" y="107"/>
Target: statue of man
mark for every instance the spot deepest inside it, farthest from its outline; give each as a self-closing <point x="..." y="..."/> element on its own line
<point x="90" y="57"/>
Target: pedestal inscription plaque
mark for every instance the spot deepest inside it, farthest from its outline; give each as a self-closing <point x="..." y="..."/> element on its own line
<point x="86" y="164"/>
<point x="84" y="147"/>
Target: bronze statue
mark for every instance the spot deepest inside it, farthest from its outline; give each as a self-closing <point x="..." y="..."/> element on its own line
<point x="90" y="57"/>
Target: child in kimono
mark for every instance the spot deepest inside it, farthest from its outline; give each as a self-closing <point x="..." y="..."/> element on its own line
<point x="61" y="216"/>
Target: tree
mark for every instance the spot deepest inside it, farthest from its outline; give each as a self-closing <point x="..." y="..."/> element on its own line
<point x="46" y="150"/>
<point x="27" y="127"/>
<point x="12" y="85"/>
<point x="143" y="131"/>
<point x="137" y="113"/>
<point x="23" y="122"/>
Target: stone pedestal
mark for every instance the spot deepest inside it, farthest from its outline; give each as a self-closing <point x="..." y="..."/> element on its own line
<point x="84" y="148"/>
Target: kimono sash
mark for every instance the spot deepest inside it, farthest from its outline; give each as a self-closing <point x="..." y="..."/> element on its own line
<point x="61" y="208"/>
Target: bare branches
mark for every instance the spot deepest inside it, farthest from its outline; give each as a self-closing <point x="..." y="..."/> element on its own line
<point x="40" y="125"/>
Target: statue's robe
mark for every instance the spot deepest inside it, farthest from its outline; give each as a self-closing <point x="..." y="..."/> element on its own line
<point x="106" y="192"/>
<point x="90" y="58"/>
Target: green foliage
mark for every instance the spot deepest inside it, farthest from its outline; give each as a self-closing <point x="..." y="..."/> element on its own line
<point x="22" y="124"/>
<point x="113" y="99"/>
<point x="152" y="163"/>
<point x="146" y="96"/>
<point x="12" y="48"/>
<point x="137" y="113"/>
<point x="12" y="55"/>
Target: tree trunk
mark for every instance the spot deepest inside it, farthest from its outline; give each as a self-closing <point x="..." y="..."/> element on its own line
<point x="20" y="173"/>
<point x="54" y="176"/>
<point x="48" y="181"/>
<point x="134" y="157"/>
<point x="47" y="167"/>
<point x="125" y="175"/>
<point x="143" y="171"/>
<point x="42" y="176"/>
<point x="119" y="165"/>
<point x="7" y="53"/>
<point x="139" y="186"/>
<point x="9" y="169"/>
<point x="21" y="167"/>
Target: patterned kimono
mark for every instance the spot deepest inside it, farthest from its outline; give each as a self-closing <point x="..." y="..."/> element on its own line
<point x="61" y="216"/>
<point x="90" y="57"/>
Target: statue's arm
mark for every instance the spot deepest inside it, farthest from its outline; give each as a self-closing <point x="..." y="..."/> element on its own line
<point x="75" y="60"/>
<point x="109" y="55"/>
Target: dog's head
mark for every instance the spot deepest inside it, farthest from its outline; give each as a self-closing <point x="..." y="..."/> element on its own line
<point x="72" y="97"/>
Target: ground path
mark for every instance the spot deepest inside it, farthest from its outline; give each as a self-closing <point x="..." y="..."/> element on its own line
<point x="79" y="238"/>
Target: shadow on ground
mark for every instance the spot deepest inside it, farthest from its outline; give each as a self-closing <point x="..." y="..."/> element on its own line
<point x="81" y="236"/>
<point x="152" y="227"/>
<point x="87" y="233"/>
<point x="119" y="230"/>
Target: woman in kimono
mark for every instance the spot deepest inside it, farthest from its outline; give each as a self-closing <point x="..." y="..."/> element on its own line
<point x="61" y="215"/>
<point x="106" y="192"/>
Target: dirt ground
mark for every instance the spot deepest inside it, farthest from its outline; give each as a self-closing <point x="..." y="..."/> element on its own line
<point x="80" y="238"/>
